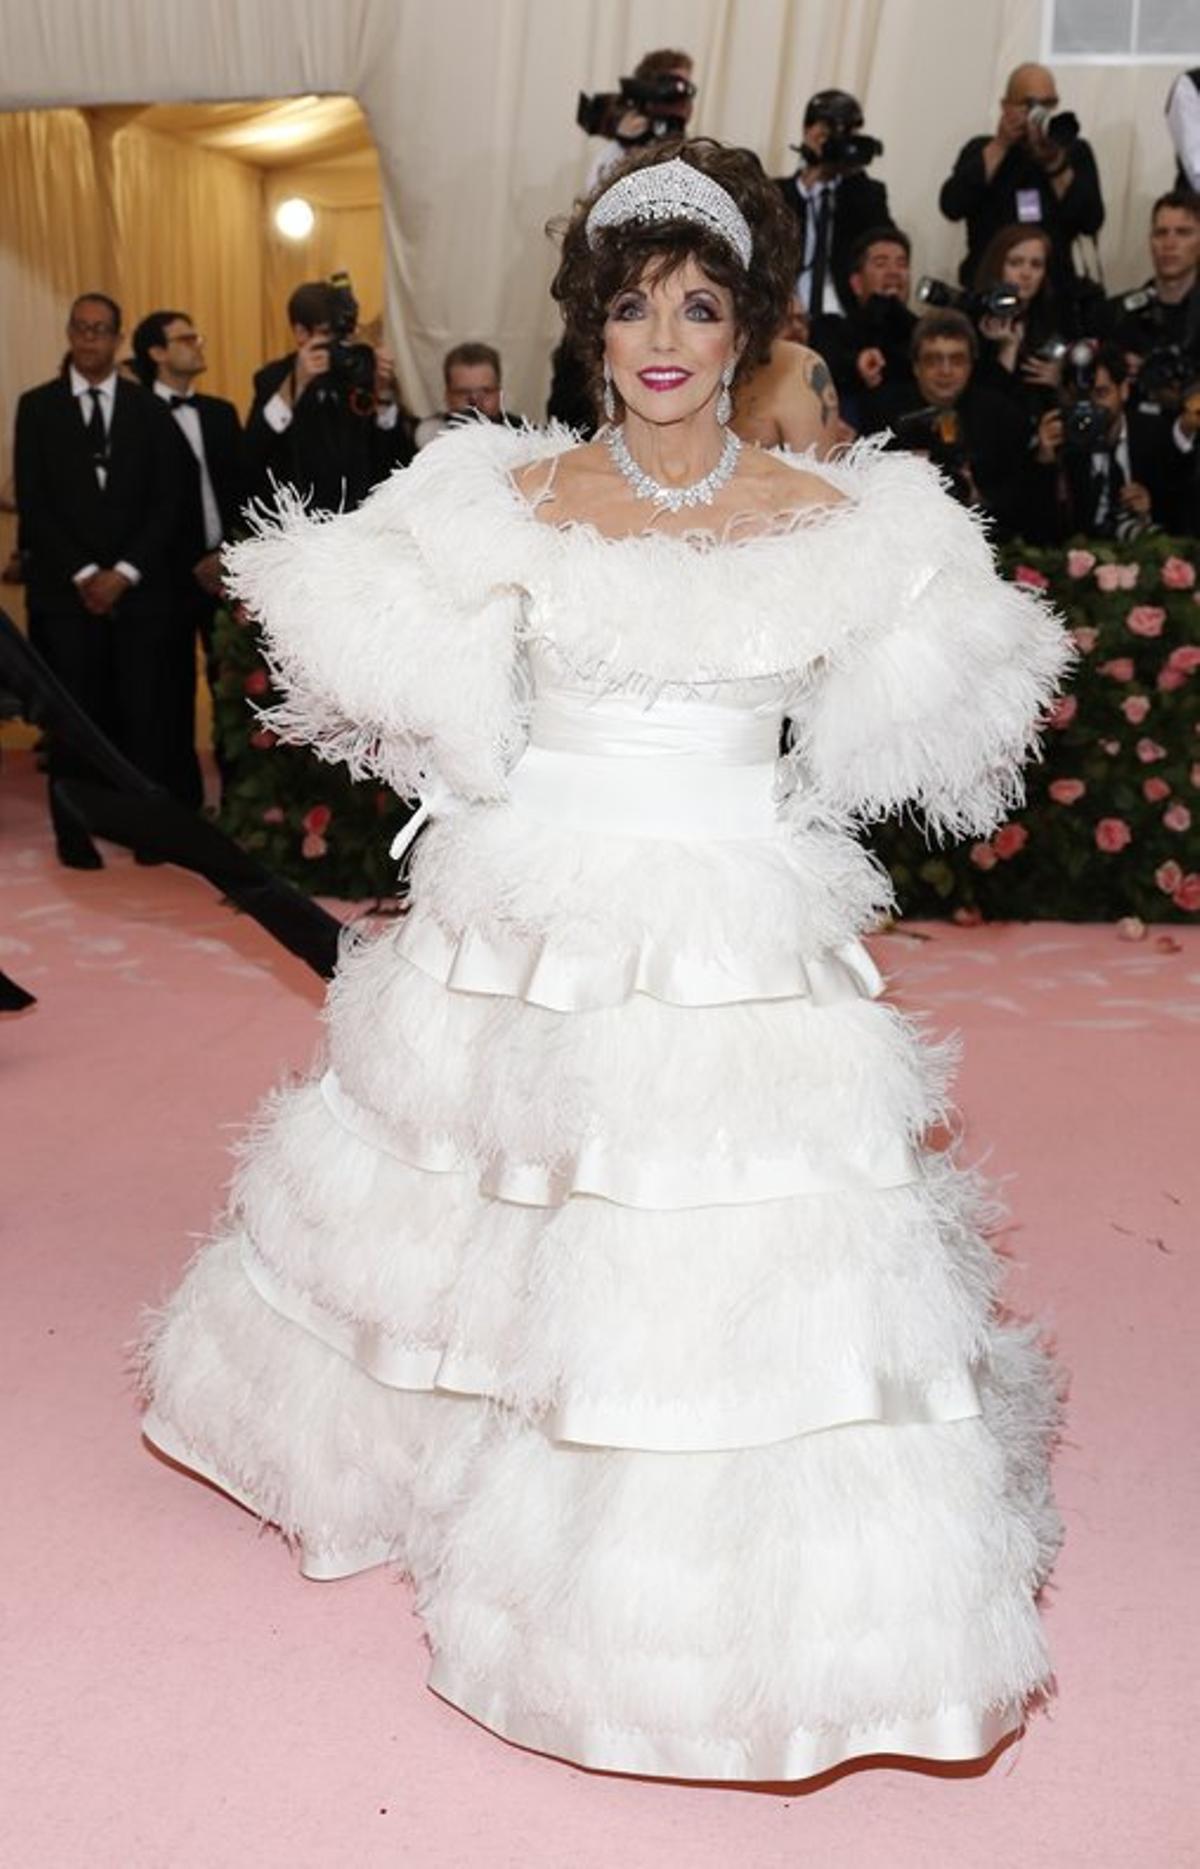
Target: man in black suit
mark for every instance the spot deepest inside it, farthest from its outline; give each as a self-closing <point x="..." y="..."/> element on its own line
<point x="97" y="492"/>
<point x="1134" y="472"/>
<point x="1021" y="174"/>
<point x="871" y="344"/>
<point x="975" y="435"/>
<point x="834" y="200"/>
<point x="169" y="358"/>
<point x="310" y="429"/>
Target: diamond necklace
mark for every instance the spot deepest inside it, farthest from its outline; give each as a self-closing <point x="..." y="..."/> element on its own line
<point x="700" y="493"/>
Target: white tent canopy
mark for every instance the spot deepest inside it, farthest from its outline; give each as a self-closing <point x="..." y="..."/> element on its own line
<point x="470" y="104"/>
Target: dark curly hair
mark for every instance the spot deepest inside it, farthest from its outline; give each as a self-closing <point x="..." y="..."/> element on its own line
<point x="589" y="279"/>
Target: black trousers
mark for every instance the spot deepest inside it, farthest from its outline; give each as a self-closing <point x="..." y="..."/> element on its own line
<point x="125" y="671"/>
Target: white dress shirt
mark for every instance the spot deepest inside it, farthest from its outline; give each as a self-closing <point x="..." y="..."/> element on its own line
<point x="188" y="417"/>
<point x="812" y="194"/>
<point x="81" y="390"/>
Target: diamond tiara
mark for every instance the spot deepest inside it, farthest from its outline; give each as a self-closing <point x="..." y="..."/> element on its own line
<point x="673" y="191"/>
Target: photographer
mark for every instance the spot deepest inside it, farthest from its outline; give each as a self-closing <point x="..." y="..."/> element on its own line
<point x="973" y="434"/>
<point x="473" y="385"/>
<point x="871" y="344"/>
<point x="326" y="418"/>
<point x="834" y="200"/>
<point x="1025" y="332"/>
<point x="1035" y="170"/>
<point x="1105" y="469"/>
<point x="1158" y="324"/>
<point x="655" y="102"/>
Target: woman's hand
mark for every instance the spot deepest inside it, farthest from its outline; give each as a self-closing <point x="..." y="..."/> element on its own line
<point x="1045" y="372"/>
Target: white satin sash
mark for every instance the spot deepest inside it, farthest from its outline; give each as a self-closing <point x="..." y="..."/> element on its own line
<point x="675" y="770"/>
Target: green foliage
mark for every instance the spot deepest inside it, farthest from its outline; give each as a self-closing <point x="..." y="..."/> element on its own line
<point x="307" y="821"/>
<point x="1110" y="825"/>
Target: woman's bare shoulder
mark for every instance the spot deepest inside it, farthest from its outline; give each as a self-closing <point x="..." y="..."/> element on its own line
<point x="785" y="484"/>
<point x="534" y="478"/>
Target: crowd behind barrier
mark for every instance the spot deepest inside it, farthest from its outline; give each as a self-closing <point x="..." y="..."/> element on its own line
<point x="1068" y="415"/>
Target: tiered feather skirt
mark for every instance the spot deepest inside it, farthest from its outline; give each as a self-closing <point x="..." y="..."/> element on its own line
<point x="600" y="1279"/>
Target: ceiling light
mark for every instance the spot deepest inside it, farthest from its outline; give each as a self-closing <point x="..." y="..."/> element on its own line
<point x="294" y="218"/>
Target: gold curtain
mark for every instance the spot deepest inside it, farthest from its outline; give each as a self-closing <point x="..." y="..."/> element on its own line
<point x="52" y="243"/>
<point x="347" y="236"/>
<point x="190" y="230"/>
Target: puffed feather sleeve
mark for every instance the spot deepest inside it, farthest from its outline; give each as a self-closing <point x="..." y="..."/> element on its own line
<point x="380" y="659"/>
<point x="932" y="691"/>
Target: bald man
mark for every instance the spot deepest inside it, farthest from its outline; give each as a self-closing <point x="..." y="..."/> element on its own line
<point x="1019" y="174"/>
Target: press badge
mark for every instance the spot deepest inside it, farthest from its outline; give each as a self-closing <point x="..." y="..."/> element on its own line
<point x="1029" y="204"/>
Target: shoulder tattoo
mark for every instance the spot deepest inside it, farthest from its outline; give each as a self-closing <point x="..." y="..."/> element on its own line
<point x="821" y="384"/>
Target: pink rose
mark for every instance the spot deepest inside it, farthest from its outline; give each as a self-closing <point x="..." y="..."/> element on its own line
<point x="1187" y="896"/>
<point x="1063" y="711"/>
<point x="1169" y="877"/>
<point x="1066" y="791"/>
<point x="1178" y="574"/>
<point x="983" y="857"/>
<point x="317" y="819"/>
<point x="1145" y="620"/>
<point x="1127" y="577"/>
<point x="1149" y="750"/>
<point x="1119" y="669"/>
<point x="967" y="918"/>
<point x="1009" y="839"/>
<point x="256" y="682"/>
<point x="1155" y="790"/>
<point x="1080" y="563"/>
<point x="1111" y="747"/>
<point x="1085" y="636"/>
<point x="1025" y="574"/>
<point x="262" y="739"/>
<point x="1108" y="577"/>
<point x="1135" y="708"/>
<point x="1169" y="679"/>
<point x="1185" y="658"/>
<point x="1112" y="834"/>
<point x="313" y="846"/>
<point x="273" y="814"/>
<point x="1131" y="928"/>
<point x="1177" y="817"/>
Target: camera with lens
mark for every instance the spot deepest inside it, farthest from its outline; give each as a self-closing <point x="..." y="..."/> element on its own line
<point x="1058" y="127"/>
<point x="351" y="365"/>
<point x="998" y="301"/>
<point x="1165" y="373"/>
<point x="937" y="433"/>
<point x="847" y="146"/>
<point x="1086" y="424"/>
<point x="658" y="99"/>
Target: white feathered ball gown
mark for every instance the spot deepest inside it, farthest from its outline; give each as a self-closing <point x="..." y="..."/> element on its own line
<point x="599" y="1277"/>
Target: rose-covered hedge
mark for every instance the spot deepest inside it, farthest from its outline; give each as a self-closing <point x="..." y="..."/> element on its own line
<point x="307" y="820"/>
<point x="1110" y="825"/>
<point x="1109" y="830"/>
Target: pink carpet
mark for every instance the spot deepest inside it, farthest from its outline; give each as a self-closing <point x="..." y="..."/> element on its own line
<point x="176" y="1697"/>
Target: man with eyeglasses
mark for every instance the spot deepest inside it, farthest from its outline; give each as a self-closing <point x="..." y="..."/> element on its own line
<point x="97" y="476"/>
<point x="169" y="358"/>
<point x="1034" y="168"/>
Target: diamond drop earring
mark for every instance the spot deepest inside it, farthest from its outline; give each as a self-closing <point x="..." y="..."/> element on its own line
<point x="610" y="406"/>
<point x="725" y="400"/>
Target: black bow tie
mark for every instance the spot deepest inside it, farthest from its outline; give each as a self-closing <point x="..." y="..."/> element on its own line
<point x="178" y="402"/>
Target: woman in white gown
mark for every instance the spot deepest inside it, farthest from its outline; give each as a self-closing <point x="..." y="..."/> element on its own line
<point x="599" y="1277"/>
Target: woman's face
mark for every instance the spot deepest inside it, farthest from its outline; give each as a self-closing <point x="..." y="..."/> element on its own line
<point x="667" y="342"/>
<point x="1025" y="268"/>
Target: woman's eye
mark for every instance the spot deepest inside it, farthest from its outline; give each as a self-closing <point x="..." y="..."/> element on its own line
<point x="707" y="314"/>
<point x="627" y="308"/>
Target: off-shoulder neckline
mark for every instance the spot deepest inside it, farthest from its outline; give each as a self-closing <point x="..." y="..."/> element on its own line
<point x="816" y="516"/>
